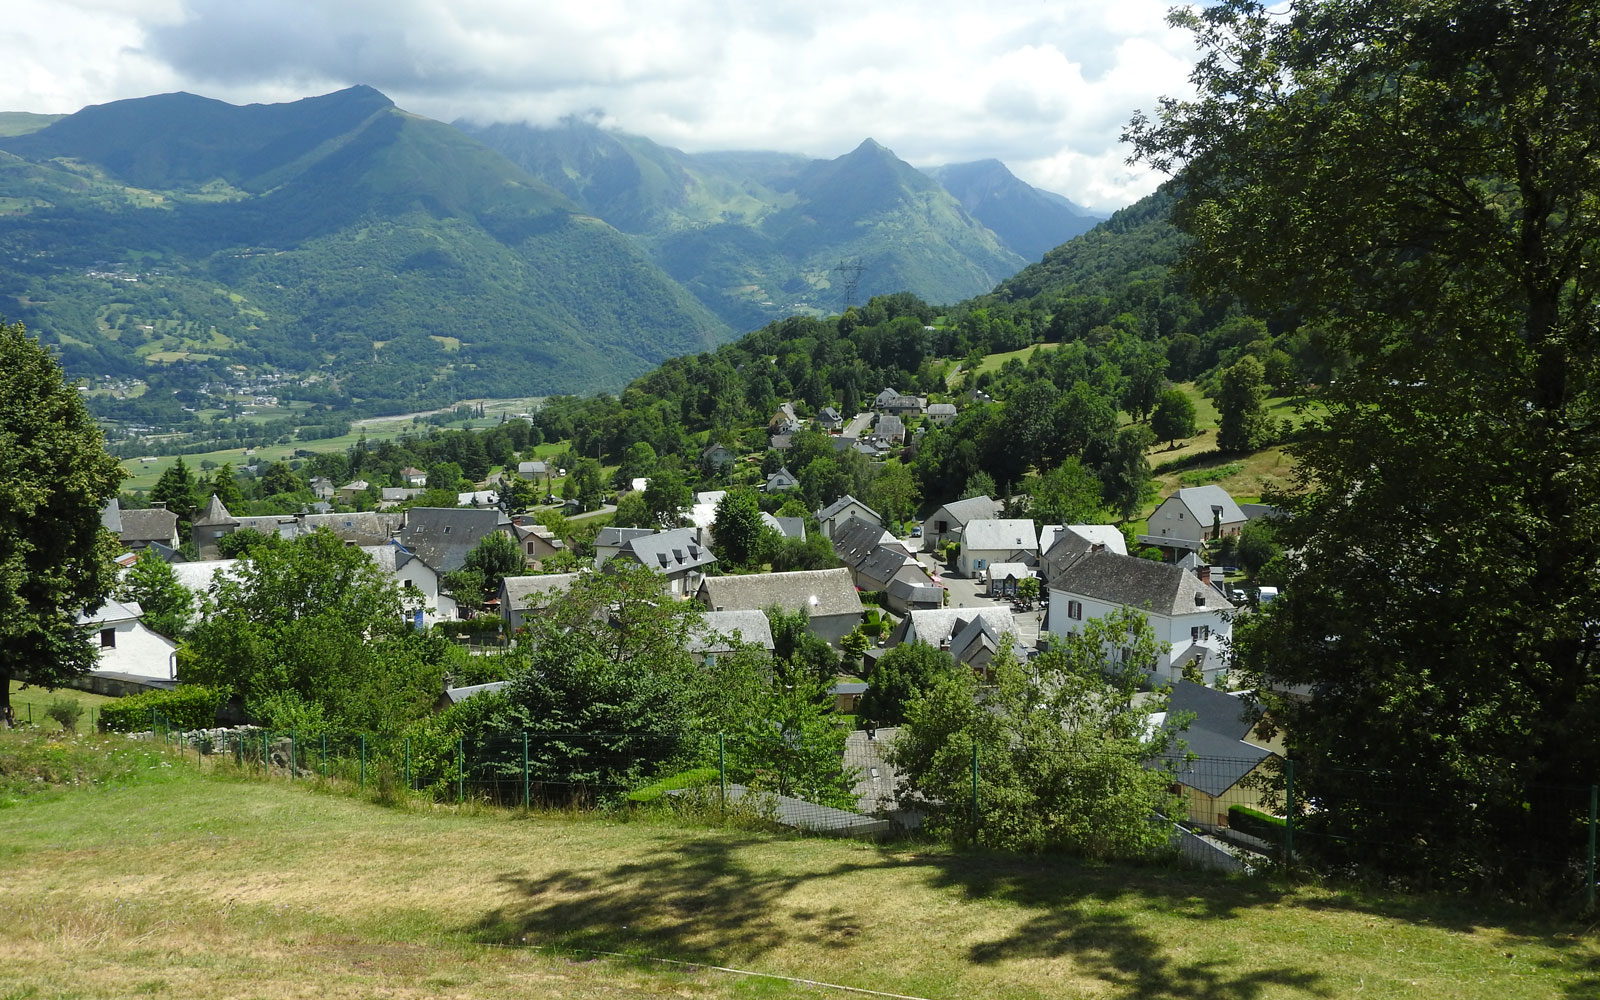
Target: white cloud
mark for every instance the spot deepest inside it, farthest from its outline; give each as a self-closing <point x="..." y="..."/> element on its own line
<point x="1045" y="87"/>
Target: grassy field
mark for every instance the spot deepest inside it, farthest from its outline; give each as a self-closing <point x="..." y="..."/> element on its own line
<point x="206" y="886"/>
<point x="31" y="703"/>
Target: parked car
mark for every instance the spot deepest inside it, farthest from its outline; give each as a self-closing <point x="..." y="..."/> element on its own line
<point x="916" y="531"/>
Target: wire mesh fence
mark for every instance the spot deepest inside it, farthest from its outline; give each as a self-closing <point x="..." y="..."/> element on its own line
<point x="1228" y="812"/>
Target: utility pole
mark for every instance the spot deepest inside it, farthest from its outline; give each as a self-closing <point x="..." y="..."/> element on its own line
<point x="849" y="272"/>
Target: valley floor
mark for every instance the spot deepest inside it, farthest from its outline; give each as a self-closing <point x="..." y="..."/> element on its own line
<point x="207" y="886"/>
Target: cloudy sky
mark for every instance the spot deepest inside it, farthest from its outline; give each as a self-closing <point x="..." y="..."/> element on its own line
<point x="1045" y="85"/>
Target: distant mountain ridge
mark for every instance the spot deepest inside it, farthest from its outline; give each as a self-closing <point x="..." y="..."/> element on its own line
<point x="1031" y="221"/>
<point x="402" y="260"/>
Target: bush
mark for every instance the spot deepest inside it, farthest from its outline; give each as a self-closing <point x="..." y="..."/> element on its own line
<point x="187" y="707"/>
<point x="66" y="711"/>
<point x="1257" y="824"/>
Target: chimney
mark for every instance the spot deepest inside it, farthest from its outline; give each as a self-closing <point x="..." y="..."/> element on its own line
<point x="1204" y="573"/>
<point x="1097" y="547"/>
<point x="158" y="505"/>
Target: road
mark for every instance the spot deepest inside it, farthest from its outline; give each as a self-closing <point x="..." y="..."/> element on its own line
<point x="858" y="425"/>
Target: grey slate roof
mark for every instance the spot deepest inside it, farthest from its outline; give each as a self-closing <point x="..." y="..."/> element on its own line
<point x="523" y="592"/>
<point x="391" y="558"/>
<point x="971" y="509"/>
<point x="818" y="592"/>
<point x="941" y="409"/>
<point x="723" y="630"/>
<point x="1009" y="534"/>
<point x="788" y="527"/>
<point x="834" y="508"/>
<point x="936" y="625"/>
<point x="362" y="528"/>
<point x="1215" y="736"/>
<point x="855" y="539"/>
<point x="611" y="537"/>
<point x="891" y="428"/>
<point x="1200" y="499"/>
<point x="111" y="516"/>
<point x="1138" y="583"/>
<point x="669" y="552"/>
<point x="911" y="593"/>
<point x="882" y="563"/>
<point x="152" y="525"/>
<point x="442" y="536"/>
<point x="215" y="514"/>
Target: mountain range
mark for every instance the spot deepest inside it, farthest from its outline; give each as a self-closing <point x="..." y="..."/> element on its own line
<point x="402" y="261"/>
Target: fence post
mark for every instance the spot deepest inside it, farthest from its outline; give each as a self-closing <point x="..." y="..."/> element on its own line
<point x="974" y="792"/>
<point x="722" y="771"/>
<point x="1594" y="814"/>
<point x="363" y="762"/>
<point x="526" y="802"/>
<point x="266" y="753"/>
<point x="324" y="756"/>
<point x="293" y="743"/>
<point x="408" y="763"/>
<point x="461" y="769"/>
<point x="1288" y="812"/>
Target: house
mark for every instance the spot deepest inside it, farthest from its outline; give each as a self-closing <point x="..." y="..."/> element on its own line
<point x="676" y="554"/>
<point x="704" y="509"/>
<point x="971" y="635"/>
<point x="877" y="560"/>
<point x="420" y="598"/>
<point x="610" y="541"/>
<point x="1193" y="516"/>
<point x="358" y="528"/>
<point x="724" y="631"/>
<point x="1061" y="545"/>
<point x="941" y="413"/>
<point x="538" y="542"/>
<point x="535" y="470"/>
<point x="781" y="442"/>
<point x="284" y="526"/>
<point x="1214" y="754"/>
<point x="891" y="401"/>
<point x="1183" y="608"/>
<point x="905" y="596"/>
<point x="854" y="539"/>
<point x="128" y="651"/>
<point x="322" y="487"/>
<point x="111" y="516"/>
<point x="947" y="523"/>
<point x="211" y="526"/>
<point x="827" y="596"/>
<point x="478" y="498"/>
<point x="157" y="525"/>
<point x="988" y="540"/>
<point x="1001" y="579"/>
<point x="781" y="480"/>
<point x="442" y="536"/>
<point x="830" y="419"/>
<point x="414" y="476"/>
<point x="788" y="527"/>
<point x="843" y="509"/>
<point x="717" y="458"/>
<point x="520" y="595"/>
<point x="891" y="429"/>
<point x="394" y="496"/>
<point x="784" y="421"/>
<point x="349" y="491"/>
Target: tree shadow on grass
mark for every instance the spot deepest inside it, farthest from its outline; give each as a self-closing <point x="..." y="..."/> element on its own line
<point x="698" y="899"/>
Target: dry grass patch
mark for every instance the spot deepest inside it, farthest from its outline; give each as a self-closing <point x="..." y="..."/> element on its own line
<point x="216" y="887"/>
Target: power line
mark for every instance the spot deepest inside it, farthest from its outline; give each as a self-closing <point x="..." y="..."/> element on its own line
<point x="849" y="272"/>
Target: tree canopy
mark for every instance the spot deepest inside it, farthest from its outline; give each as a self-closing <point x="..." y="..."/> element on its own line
<point x="1415" y="183"/>
<point x="55" y="476"/>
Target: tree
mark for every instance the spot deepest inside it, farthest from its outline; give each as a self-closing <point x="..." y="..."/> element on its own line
<point x="151" y="582"/>
<point x="1334" y="169"/>
<point x="667" y="497"/>
<point x="1061" y="745"/>
<point x="446" y="476"/>
<point x="899" y="676"/>
<point x="495" y="557"/>
<point x="738" y="528"/>
<point x="585" y="485"/>
<point x="1242" y="421"/>
<point x="979" y="484"/>
<point x="177" y="490"/>
<point x="1126" y="484"/>
<point x="226" y="488"/>
<point x="1067" y="494"/>
<point x="55" y="558"/>
<point x="633" y="512"/>
<point x="894" y="492"/>
<point x="1174" y="417"/>
<point x="312" y="623"/>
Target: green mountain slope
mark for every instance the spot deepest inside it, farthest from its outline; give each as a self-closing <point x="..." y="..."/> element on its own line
<point x="398" y="260"/>
<point x="757" y="236"/>
<point x="1028" y="221"/>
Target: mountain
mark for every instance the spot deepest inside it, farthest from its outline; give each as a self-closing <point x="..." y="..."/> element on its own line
<point x="1029" y="221"/>
<point x="395" y="258"/>
<point x="757" y="235"/>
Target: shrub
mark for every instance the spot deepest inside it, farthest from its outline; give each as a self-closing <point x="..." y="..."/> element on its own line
<point x="66" y="711"/>
<point x="1256" y="823"/>
<point x="190" y="706"/>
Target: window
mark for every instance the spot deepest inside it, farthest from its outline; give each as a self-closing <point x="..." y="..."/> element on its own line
<point x="1075" y="610"/>
<point x="108" y="638"/>
<point x="1194" y="633"/>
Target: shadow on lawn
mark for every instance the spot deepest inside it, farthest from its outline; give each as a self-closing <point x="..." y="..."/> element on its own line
<point x="697" y="900"/>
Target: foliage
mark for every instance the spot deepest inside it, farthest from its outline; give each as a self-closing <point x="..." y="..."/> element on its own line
<point x="1257" y="824"/>
<point x="495" y="557"/>
<point x="66" y="711"/>
<point x="55" y="559"/>
<point x="801" y="650"/>
<point x="738" y="528"/>
<point x="1446" y="245"/>
<point x="1257" y="545"/>
<point x="317" y="618"/>
<point x="894" y="492"/>
<point x="1242" y="421"/>
<point x="239" y="542"/>
<point x="1174" y="416"/>
<point x="1061" y="747"/>
<point x="186" y="707"/>
<point x="167" y="604"/>
<point x="899" y="677"/>
<point x="1066" y="494"/>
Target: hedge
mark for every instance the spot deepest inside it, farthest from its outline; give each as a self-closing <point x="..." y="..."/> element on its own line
<point x="1256" y="823"/>
<point x="190" y="706"/>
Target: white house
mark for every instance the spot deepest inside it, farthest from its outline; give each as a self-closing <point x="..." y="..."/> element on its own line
<point x="127" y="648"/>
<point x="418" y="582"/>
<point x="1183" y="609"/>
<point x="837" y="514"/>
<point x="947" y="523"/>
<point x="997" y="540"/>
<point x="1194" y="515"/>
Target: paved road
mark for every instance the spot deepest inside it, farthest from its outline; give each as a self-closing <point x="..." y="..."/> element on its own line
<point x="858" y="425"/>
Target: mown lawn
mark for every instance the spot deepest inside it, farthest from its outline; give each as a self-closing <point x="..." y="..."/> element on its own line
<point x="32" y="702"/>
<point x="207" y="886"/>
